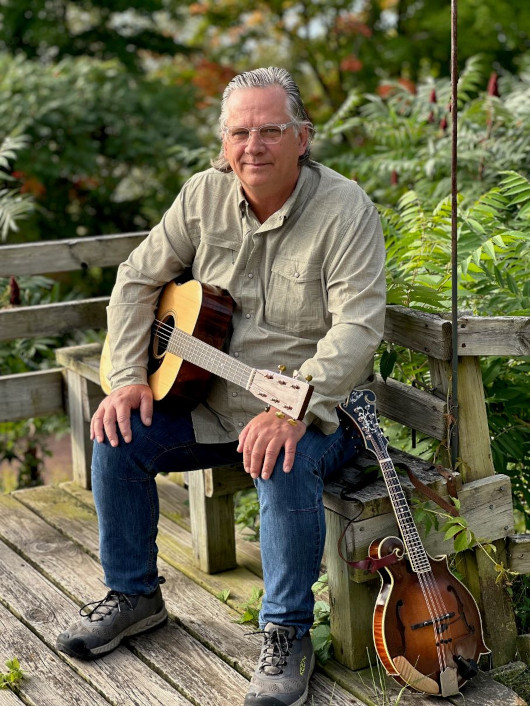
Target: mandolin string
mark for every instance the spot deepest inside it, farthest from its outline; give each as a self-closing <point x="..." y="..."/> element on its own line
<point x="428" y="594"/>
<point x="429" y="588"/>
<point x="434" y="590"/>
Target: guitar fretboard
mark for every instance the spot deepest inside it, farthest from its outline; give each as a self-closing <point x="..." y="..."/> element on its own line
<point x="205" y="356"/>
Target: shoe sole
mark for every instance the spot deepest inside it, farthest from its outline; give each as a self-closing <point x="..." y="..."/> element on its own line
<point x="78" y="649"/>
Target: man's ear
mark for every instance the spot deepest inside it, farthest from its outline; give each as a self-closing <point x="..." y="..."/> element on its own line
<point x="303" y="138"/>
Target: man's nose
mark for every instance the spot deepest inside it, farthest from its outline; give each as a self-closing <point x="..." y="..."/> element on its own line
<point x="254" y="143"/>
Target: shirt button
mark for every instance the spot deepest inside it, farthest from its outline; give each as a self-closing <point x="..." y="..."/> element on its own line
<point x="234" y="394"/>
<point x="240" y="424"/>
<point x="236" y="354"/>
<point x="250" y="275"/>
<point x="248" y="316"/>
<point x="297" y="274"/>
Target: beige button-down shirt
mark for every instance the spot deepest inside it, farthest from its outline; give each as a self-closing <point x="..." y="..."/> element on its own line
<point x="308" y="284"/>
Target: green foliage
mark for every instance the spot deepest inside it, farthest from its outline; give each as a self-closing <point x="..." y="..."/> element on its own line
<point x="129" y="30"/>
<point x="247" y="513"/>
<point x="320" y="631"/>
<point x="14" y="206"/>
<point x="224" y="595"/>
<point x="397" y="144"/>
<point x="99" y="139"/>
<point x="520" y="593"/>
<point x="250" y="609"/>
<point x="339" y="46"/>
<point x="14" y="675"/>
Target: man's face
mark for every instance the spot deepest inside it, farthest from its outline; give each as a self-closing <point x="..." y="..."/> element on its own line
<point x="264" y="170"/>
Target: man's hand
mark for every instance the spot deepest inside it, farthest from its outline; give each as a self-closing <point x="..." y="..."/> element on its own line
<point x="262" y="440"/>
<point x="116" y="409"/>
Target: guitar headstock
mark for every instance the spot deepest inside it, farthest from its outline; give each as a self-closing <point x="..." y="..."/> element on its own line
<point x="361" y="409"/>
<point x="288" y="394"/>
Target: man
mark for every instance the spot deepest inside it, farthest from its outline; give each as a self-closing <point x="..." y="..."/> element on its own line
<point x="300" y="250"/>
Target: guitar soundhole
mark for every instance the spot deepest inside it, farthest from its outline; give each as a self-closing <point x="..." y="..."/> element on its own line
<point x="161" y="335"/>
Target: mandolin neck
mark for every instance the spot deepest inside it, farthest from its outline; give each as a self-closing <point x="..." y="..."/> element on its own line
<point x="418" y="557"/>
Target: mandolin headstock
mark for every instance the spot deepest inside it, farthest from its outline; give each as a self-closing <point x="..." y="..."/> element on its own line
<point x="289" y="395"/>
<point x="361" y="409"/>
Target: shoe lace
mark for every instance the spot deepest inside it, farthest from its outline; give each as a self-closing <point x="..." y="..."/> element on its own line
<point x="114" y="600"/>
<point x="275" y="650"/>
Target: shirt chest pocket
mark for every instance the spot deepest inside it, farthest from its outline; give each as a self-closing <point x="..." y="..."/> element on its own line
<point x="294" y="298"/>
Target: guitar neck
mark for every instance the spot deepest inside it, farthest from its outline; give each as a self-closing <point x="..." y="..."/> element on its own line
<point x="418" y="557"/>
<point x="205" y="356"/>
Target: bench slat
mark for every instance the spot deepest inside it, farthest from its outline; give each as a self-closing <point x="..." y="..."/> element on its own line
<point x="67" y="255"/>
<point x="411" y="406"/>
<point x="53" y="319"/>
<point x="35" y="394"/>
<point x="418" y="330"/>
<point x="494" y="335"/>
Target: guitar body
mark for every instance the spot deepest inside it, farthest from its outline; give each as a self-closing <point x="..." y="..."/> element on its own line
<point x="427" y="656"/>
<point x="200" y="310"/>
<point x="192" y="324"/>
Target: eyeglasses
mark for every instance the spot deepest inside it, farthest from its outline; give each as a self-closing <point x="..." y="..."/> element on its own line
<point x="269" y="134"/>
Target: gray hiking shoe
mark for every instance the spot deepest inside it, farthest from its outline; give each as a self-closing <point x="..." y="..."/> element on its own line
<point x="284" y="668"/>
<point x="108" y="621"/>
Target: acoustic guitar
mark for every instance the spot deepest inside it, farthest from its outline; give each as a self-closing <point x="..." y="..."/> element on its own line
<point x="426" y="624"/>
<point x="191" y="327"/>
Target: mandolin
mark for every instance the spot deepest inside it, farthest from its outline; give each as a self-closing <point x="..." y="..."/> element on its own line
<point x="192" y="324"/>
<point x="426" y="624"/>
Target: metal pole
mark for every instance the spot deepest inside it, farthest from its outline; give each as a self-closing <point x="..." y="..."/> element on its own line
<point x="454" y="241"/>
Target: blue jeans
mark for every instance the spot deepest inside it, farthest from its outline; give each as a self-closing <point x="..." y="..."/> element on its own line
<point x="291" y="509"/>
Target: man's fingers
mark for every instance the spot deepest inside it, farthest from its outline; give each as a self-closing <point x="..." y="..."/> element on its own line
<point x="115" y="412"/>
<point x="290" y="451"/>
<point x="123" y="418"/>
<point x="146" y="406"/>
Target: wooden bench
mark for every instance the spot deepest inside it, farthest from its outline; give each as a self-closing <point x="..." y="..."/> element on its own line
<point x="485" y="496"/>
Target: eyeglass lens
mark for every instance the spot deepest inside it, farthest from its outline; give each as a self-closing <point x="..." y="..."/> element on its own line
<point x="269" y="134"/>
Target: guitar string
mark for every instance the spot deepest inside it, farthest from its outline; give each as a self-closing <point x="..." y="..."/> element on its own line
<point x="238" y="372"/>
<point x="431" y="594"/>
<point x="190" y="344"/>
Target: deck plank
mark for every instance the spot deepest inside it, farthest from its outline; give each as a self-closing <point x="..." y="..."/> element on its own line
<point x="203" y="616"/>
<point x="48" y="566"/>
<point x="9" y="698"/>
<point x="123" y="679"/>
<point x="49" y="680"/>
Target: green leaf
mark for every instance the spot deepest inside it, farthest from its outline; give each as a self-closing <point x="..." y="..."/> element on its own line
<point x="462" y="542"/>
<point x="490" y="249"/>
<point x="387" y="363"/>
<point x="223" y="596"/>
<point x="455" y="529"/>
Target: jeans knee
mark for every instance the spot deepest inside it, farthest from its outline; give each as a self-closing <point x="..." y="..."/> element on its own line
<point x="300" y="490"/>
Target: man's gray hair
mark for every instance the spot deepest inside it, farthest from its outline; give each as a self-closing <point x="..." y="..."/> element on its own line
<point x="262" y="78"/>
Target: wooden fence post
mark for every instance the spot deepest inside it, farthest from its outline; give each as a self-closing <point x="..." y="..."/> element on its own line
<point x="475" y="457"/>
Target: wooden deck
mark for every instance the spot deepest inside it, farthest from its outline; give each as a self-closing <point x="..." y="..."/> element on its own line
<point x="49" y="567"/>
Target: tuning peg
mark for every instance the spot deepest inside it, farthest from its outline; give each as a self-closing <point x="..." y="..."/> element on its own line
<point x="281" y="368"/>
<point x="295" y="373"/>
